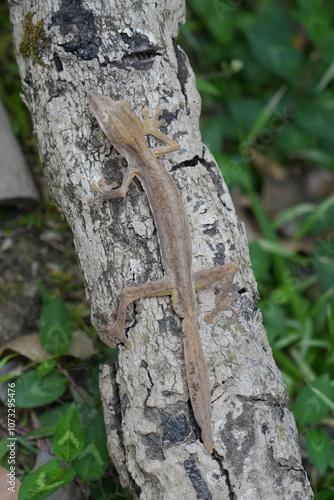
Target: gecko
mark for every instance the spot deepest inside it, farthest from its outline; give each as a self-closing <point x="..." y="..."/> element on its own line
<point x="126" y="132"/>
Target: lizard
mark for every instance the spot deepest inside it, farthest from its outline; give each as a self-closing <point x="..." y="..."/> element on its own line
<point x="126" y="132"/>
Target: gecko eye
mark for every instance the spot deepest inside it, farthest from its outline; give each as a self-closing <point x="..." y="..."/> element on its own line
<point x="104" y="117"/>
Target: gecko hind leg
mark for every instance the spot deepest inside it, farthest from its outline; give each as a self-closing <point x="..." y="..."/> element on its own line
<point x="114" y="330"/>
<point x="211" y="275"/>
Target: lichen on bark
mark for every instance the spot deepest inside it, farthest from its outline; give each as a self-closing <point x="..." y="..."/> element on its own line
<point x="34" y="41"/>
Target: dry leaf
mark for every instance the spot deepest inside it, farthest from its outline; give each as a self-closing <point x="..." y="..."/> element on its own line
<point x="30" y="347"/>
<point x="5" y="493"/>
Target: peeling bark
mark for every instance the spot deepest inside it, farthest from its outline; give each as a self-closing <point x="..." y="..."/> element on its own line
<point x="125" y="50"/>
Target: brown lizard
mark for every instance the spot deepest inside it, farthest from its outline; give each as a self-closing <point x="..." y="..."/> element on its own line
<point x="126" y="133"/>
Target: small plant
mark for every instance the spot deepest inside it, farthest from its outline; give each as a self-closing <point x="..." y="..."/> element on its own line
<point x="80" y="452"/>
<point x="73" y="420"/>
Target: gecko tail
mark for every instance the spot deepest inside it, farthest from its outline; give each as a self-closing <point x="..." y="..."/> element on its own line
<point x="198" y="379"/>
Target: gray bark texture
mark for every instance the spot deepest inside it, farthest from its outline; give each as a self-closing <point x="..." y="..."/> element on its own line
<point x="124" y="49"/>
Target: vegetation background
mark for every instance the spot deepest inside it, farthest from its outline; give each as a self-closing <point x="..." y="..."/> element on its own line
<point x="265" y="72"/>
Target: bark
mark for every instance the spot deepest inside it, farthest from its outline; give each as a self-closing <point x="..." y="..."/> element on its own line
<point x="125" y="50"/>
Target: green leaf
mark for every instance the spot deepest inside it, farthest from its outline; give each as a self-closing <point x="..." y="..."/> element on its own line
<point x="303" y="366"/>
<point x="324" y="260"/>
<point x="325" y="399"/>
<point x="46" y="367"/>
<point x="309" y="408"/>
<point x="231" y="168"/>
<point x="315" y="119"/>
<point x="261" y="122"/>
<point x="32" y="390"/>
<point x="317" y="217"/>
<point x="5" y="359"/>
<point x="25" y="444"/>
<point x="314" y="16"/>
<point x="270" y="39"/>
<point x="215" y="130"/>
<point x="94" y="459"/>
<point x="55" y="327"/>
<point x="46" y="294"/>
<point x="293" y="213"/>
<point x="286" y="340"/>
<point x="322" y="158"/>
<point x="213" y="15"/>
<point x="327" y="77"/>
<point x="51" y="416"/>
<point x="275" y="248"/>
<point x="246" y="111"/>
<point x="286" y="365"/>
<point x="273" y="319"/>
<point x="45" y="481"/>
<point x="282" y="59"/>
<point x="31" y="219"/>
<point x="207" y="87"/>
<point x="46" y="431"/>
<point x="104" y="489"/>
<point x="68" y="439"/>
<point x="292" y="140"/>
<point x="320" y="448"/>
<point x="3" y="447"/>
<point x="324" y="494"/>
<point x="260" y="261"/>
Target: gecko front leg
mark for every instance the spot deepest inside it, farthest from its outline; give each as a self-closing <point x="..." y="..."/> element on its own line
<point x="108" y="192"/>
<point x="151" y="127"/>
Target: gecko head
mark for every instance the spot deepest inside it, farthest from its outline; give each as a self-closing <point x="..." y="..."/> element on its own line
<point x="116" y="119"/>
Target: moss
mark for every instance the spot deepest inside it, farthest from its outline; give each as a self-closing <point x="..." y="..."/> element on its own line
<point x="34" y="40"/>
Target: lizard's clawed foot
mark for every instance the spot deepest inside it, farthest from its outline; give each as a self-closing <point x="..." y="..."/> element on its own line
<point x="152" y="124"/>
<point x="111" y="335"/>
<point x="100" y="187"/>
<point x="225" y="305"/>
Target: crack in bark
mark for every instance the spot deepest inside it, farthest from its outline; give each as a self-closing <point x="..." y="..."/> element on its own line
<point x="182" y="71"/>
<point x="226" y="475"/>
<point x="193" y="162"/>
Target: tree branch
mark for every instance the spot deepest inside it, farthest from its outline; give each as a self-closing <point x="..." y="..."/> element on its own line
<point x="125" y="50"/>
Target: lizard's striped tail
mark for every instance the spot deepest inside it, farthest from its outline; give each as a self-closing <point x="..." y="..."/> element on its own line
<point x="198" y="379"/>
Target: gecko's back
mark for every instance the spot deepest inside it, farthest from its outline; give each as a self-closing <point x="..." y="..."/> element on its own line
<point x="126" y="132"/>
